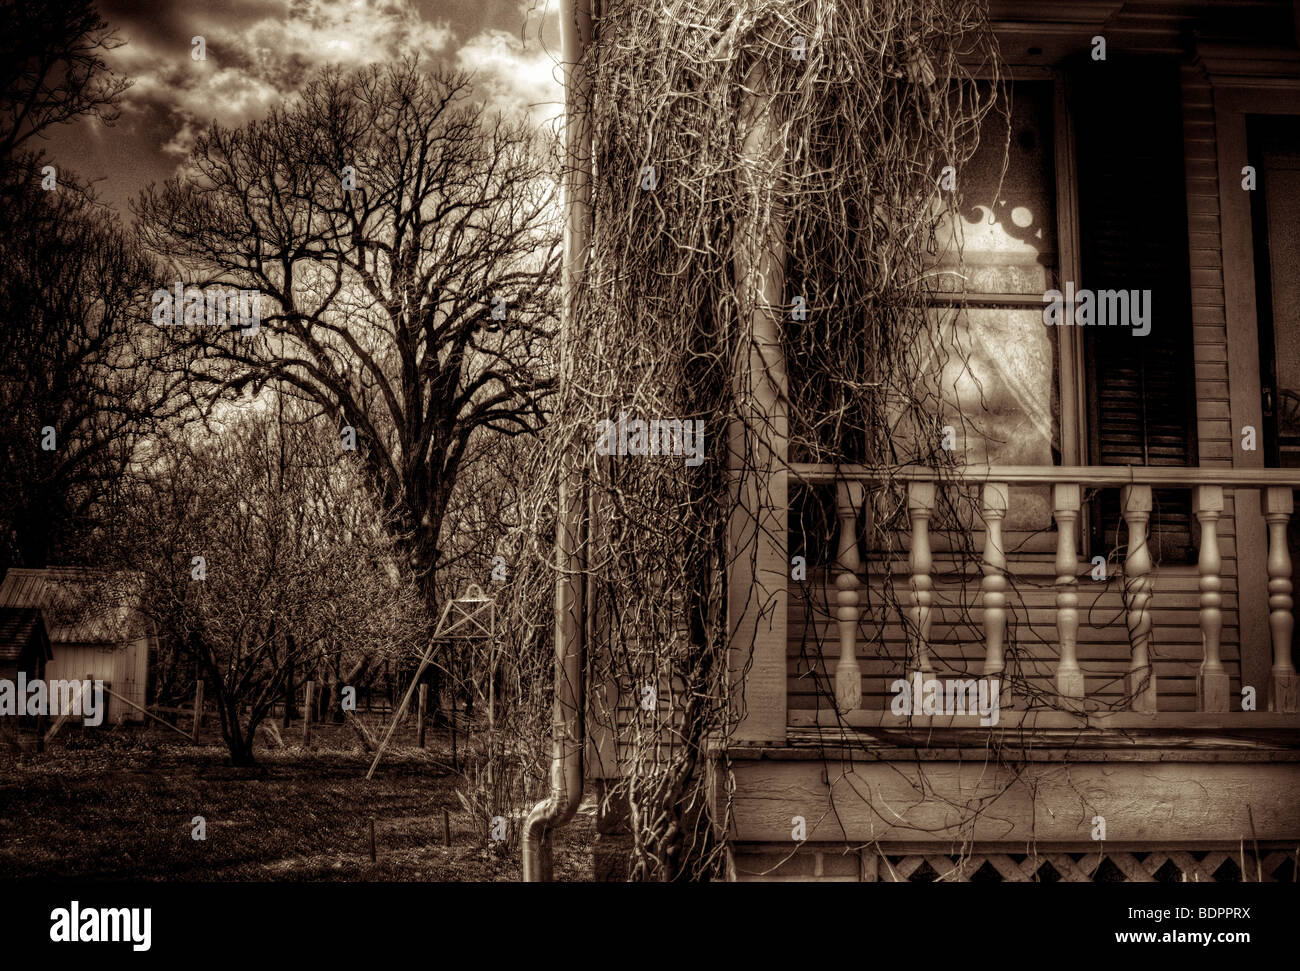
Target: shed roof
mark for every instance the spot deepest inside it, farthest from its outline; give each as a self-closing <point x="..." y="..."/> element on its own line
<point x="78" y="605"/>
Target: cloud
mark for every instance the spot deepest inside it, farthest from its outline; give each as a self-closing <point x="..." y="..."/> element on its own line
<point x="256" y="54"/>
<point x="347" y="32"/>
<point x="516" y="75"/>
<point x="180" y="144"/>
<point x="260" y="52"/>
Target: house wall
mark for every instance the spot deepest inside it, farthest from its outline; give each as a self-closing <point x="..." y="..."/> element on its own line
<point x="1246" y="81"/>
<point x="1103" y="645"/>
<point x="1219" y="444"/>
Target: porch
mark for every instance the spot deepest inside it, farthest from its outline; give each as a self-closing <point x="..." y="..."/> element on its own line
<point x="1045" y="797"/>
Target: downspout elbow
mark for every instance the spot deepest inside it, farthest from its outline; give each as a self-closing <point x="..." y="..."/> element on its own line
<point x="550" y="814"/>
<point x="568" y="732"/>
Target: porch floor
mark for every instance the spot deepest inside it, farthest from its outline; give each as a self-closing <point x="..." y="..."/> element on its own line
<point x="1047" y="736"/>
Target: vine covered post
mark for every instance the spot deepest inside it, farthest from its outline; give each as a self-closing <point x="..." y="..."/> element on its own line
<point x="1141" y="685"/>
<point x="760" y="567"/>
<point x="848" y="672"/>
<point x="732" y="152"/>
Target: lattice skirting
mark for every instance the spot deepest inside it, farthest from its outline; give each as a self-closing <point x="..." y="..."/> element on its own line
<point x="765" y="862"/>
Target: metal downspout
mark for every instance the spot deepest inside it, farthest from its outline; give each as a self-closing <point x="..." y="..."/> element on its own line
<point x="568" y="728"/>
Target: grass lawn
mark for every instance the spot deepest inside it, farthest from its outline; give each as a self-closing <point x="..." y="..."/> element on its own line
<point x="118" y="805"/>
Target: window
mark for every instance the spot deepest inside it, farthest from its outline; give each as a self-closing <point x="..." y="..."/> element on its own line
<point x="999" y="380"/>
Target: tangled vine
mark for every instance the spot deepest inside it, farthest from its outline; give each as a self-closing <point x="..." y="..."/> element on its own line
<point x="861" y="106"/>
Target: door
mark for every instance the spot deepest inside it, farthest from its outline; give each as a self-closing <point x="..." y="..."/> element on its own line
<point x="1274" y="142"/>
<point x="1275" y="149"/>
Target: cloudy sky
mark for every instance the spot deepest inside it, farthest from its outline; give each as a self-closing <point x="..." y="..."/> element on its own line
<point x="260" y="51"/>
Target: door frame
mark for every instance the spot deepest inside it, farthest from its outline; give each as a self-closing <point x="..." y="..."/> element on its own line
<point x="1246" y="81"/>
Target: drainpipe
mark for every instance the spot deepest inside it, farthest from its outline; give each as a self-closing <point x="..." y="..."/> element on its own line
<point x="568" y="734"/>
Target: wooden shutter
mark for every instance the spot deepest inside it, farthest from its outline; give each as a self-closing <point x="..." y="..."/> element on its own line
<point x="1133" y="229"/>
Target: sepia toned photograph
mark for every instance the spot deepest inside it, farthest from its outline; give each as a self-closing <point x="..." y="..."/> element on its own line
<point x="649" y="441"/>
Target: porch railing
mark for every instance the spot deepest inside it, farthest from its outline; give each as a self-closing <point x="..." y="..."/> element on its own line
<point x="1274" y="487"/>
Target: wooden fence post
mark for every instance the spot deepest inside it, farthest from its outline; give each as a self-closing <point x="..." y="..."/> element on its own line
<point x="424" y="701"/>
<point x="306" y="714"/>
<point x="288" y="696"/>
<point x="198" y="708"/>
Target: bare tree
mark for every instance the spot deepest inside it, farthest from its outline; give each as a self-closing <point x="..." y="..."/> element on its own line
<point x="406" y="245"/>
<point x="52" y="70"/>
<point x="77" y="390"/>
<point x="256" y="552"/>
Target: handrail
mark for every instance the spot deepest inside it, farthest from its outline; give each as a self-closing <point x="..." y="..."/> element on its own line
<point x="1090" y="475"/>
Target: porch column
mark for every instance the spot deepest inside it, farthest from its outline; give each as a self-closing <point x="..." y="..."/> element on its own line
<point x="758" y="561"/>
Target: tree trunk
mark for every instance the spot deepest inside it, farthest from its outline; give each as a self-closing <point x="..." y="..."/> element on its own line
<point x="241" y="753"/>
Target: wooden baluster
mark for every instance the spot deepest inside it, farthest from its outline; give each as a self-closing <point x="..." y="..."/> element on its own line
<point x="848" y="673"/>
<point x="994" y="586"/>
<point x="1278" y="504"/>
<point x="1212" y="679"/>
<point x="1136" y="501"/>
<point x="920" y="504"/>
<point x="1069" y="677"/>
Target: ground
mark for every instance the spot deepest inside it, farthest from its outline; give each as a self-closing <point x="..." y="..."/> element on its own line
<point x="120" y="804"/>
